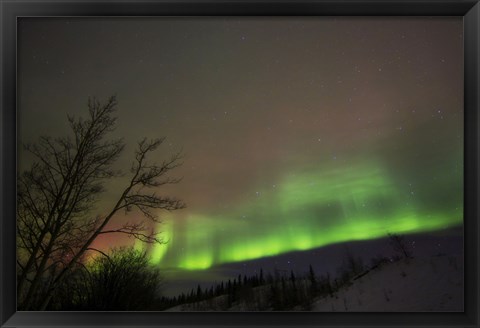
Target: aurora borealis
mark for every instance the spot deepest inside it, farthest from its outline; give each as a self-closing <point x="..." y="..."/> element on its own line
<point x="297" y="132"/>
<point x="358" y="204"/>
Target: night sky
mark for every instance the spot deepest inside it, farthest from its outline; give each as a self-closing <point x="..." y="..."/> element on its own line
<point x="297" y="133"/>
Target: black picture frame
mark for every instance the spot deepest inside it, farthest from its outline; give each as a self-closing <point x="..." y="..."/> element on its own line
<point x="11" y="10"/>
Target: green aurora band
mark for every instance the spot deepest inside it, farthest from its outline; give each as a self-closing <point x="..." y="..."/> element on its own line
<point x="305" y="211"/>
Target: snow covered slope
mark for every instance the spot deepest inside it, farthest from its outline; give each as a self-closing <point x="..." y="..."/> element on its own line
<point x="422" y="284"/>
<point x="419" y="284"/>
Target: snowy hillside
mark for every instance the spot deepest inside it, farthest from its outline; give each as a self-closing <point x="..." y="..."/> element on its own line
<point x="419" y="284"/>
<point x="408" y="285"/>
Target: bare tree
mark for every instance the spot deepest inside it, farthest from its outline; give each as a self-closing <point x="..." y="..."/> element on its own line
<point x="56" y="197"/>
<point x="121" y="281"/>
<point x="399" y="245"/>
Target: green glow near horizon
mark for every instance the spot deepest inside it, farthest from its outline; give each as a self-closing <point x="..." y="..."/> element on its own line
<point x="305" y="211"/>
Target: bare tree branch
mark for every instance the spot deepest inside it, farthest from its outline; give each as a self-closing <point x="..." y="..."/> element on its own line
<point x="99" y="251"/>
<point x="57" y="195"/>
